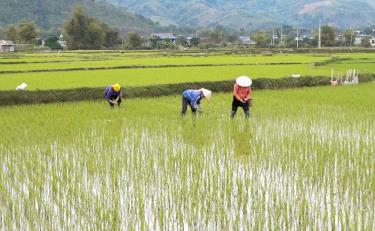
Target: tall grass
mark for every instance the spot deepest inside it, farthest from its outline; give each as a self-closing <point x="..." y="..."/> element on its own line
<point x="305" y="160"/>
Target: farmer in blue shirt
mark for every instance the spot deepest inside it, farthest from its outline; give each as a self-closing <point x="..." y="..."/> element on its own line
<point x="113" y="95"/>
<point x="193" y="99"/>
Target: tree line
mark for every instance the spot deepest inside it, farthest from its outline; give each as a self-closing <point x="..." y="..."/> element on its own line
<point x="80" y="32"/>
<point x="84" y="32"/>
<point x="24" y="32"/>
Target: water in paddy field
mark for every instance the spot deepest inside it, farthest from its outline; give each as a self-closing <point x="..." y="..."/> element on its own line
<point x="298" y="169"/>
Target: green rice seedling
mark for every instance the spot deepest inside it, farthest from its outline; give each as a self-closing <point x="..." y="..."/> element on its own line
<point x="150" y="76"/>
<point x="304" y="160"/>
<point x="71" y="62"/>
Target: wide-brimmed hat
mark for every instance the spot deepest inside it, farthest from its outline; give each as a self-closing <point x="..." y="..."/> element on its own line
<point x="244" y="81"/>
<point x="207" y="93"/>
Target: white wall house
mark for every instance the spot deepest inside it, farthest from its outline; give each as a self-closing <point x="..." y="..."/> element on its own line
<point x="246" y="40"/>
<point x="6" y="46"/>
<point x="164" y="36"/>
<point x="372" y="41"/>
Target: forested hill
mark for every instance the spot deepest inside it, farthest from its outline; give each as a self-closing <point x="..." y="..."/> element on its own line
<point x="51" y="14"/>
<point x="255" y="14"/>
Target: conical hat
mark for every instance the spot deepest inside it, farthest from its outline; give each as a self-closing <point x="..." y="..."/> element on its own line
<point x="244" y="81"/>
<point x="206" y="93"/>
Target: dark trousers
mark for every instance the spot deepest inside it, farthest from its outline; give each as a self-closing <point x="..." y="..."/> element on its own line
<point x="118" y="101"/>
<point x="185" y="103"/>
<point x="245" y="106"/>
<point x="236" y="103"/>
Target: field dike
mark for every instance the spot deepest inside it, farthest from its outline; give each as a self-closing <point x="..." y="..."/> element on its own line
<point x="83" y="94"/>
<point x="143" y="67"/>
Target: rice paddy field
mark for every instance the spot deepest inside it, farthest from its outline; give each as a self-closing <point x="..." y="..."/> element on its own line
<point x="97" y="69"/>
<point x="305" y="160"/>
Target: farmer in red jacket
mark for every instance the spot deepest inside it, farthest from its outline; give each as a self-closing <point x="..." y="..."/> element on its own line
<point x="242" y="96"/>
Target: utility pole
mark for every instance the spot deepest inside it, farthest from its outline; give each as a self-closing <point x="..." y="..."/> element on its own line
<point x="281" y="36"/>
<point x="297" y="39"/>
<point x="351" y="36"/>
<point x="320" y="37"/>
<point x="273" y="37"/>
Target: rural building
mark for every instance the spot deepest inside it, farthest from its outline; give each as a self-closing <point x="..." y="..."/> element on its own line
<point x="62" y="42"/>
<point x="164" y="36"/>
<point x="358" y="40"/>
<point x="6" y="46"/>
<point x="372" y="41"/>
<point x="246" y="40"/>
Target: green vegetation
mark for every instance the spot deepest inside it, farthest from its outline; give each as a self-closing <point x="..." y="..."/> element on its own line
<point x="24" y="32"/>
<point x="252" y="15"/>
<point x="151" y="76"/>
<point x="156" y="90"/>
<point x="327" y="36"/>
<point x="305" y="160"/>
<point x="52" y="42"/>
<point x="144" y="68"/>
<point x="50" y="14"/>
<point x="83" y="32"/>
<point x="62" y="62"/>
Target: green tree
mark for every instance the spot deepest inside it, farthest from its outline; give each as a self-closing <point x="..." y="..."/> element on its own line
<point x="94" y="35"/>
<point x="290" y="41"/>
<point x="262" y="39"/>
<point x="110" y="37"/>
<point x="84" y="32"/>
<point x="27" y="32"/>
<point x="215" y="36"/>
<point x="11" y="33"/>
<point x="134" y="40"/>
<point x="182" y="41"/>
<point x="365" y="41"/>
<point x="309" y="42"/>
<point x="194" y="42"/>
<point x="167" y="44"/>
<point x="327" y="36"/>
<point x="76" y="29"/>
<point x="52" y="42"/>
<point x="349" y="37"/>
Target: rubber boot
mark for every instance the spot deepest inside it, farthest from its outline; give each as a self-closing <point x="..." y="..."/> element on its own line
<point x="247" y="114"/>
<point x="232" y="114"/>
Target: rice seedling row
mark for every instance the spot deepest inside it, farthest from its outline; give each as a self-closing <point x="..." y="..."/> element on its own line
<point x="305" y="160"/>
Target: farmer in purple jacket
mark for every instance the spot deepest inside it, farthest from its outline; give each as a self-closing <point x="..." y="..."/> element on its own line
<point x="193" y="99"/>
<point x="113" y="95"/>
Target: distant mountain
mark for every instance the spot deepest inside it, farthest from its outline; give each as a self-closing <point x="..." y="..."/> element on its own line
<point x="255" y="14"/>
<point x="51" y="14"/>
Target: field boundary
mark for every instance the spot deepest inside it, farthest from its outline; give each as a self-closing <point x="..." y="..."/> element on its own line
<point x="84" y="94"/>
<point x="331" y="61"/>
<point x="146" y="66"/>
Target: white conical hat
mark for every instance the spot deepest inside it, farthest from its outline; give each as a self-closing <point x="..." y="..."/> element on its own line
<point x="244" y="81"/>
<point x="206" y="93"/>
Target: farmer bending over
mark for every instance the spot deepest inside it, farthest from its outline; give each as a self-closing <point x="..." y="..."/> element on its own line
<point x="193" y="99"/>
<point x="242" y="96"/>
<point x="113" y="95"/>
